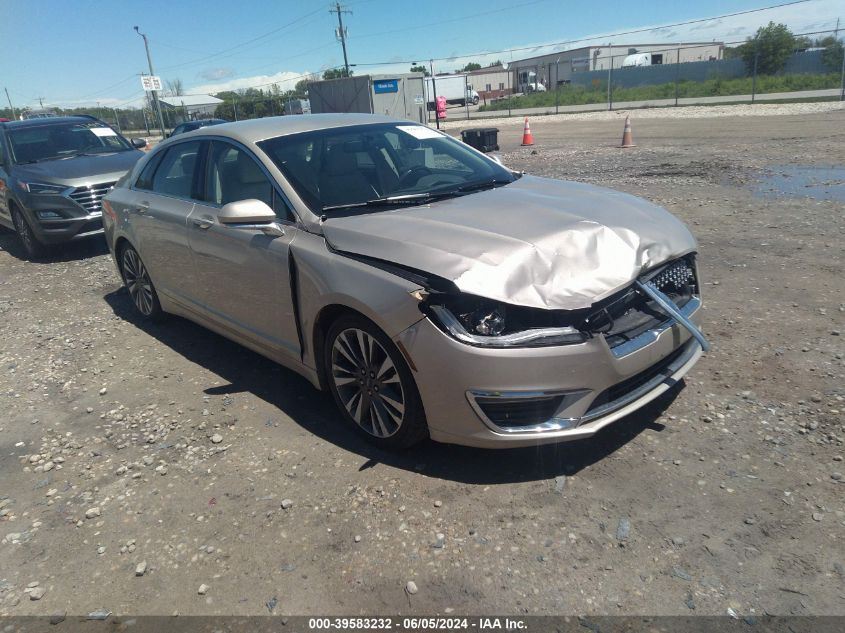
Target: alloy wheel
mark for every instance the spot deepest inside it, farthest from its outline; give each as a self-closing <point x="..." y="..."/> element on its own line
<point x="368" y="383"/>
<point x="138" y="282"/>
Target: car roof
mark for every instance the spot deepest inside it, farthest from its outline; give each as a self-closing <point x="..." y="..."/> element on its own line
<point x="52" y="120"/>
<point x="255" y="130"/>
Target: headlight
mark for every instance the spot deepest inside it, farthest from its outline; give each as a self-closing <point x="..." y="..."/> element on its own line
<point x="40" y="188"/>
<point x="486" y="323"/>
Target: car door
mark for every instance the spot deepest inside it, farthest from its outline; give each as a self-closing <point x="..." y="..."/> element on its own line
<point x="161" y="201"/>
<point x="243" y="273"/>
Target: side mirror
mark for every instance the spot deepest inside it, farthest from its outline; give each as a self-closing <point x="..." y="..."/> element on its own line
<point x="139" y="143"/>
<point x="246" y="212"/>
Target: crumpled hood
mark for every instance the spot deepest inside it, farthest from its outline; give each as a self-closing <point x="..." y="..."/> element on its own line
<point x="536" y="242"/>
<point x="80" y="170"/>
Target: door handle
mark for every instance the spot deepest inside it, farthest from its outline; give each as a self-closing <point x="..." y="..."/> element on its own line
<point x="142" y="206"/>
<point x="203" y="223"/>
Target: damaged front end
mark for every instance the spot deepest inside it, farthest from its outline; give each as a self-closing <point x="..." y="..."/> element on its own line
<point x="627" y="320"/>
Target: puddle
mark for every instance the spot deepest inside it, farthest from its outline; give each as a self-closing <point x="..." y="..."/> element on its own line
<point x="821" y="183"/>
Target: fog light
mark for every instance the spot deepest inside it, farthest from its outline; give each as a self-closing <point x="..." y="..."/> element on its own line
<point x="49" y="215"/>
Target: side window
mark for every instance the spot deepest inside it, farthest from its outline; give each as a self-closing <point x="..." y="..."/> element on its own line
<point x="175" y="173"/>
<point x="2" y="151"/>
<point x="145" y="180"/>
<point x="234" y="175"/>
<point x="281" y="208"/>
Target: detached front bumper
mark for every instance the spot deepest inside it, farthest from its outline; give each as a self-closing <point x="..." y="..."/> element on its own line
<point x="499" y="398"/>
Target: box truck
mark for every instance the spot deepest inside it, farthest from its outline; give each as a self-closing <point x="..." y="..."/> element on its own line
<point x="453" y="87"/>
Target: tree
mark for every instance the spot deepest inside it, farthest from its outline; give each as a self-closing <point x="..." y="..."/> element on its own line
<point x="771" y="45"/>
<point x="419" y="68"/>
<point x="175" y="88"/>
<point x="832" y="54"/>
<point x="301" y="88"/>
<point x="470" y="67"/>
<point x="498" y="62"/>
<point x="336" y="73"/>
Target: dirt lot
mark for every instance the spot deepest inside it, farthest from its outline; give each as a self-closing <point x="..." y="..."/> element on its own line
<point x="139" y="462"/>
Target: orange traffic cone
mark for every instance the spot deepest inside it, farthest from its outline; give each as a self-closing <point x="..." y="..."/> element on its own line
<point x="527" y="139"/>
<point x="627" y="136"/>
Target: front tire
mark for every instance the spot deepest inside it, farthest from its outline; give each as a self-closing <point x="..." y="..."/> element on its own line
<point x="137" y="280"/>
<point x="31" y="245"/>
<point x="372" y="384"/>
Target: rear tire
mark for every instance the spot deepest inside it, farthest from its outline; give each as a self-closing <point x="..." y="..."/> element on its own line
<point x="372" y="384"/>
<point x="32" y="246"/>
<point x="137" y="280"/>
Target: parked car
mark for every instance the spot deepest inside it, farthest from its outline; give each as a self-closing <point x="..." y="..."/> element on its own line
<point x="429" y="289"/>
<point x="190" y="126"/>
<point x="54" y="172"/>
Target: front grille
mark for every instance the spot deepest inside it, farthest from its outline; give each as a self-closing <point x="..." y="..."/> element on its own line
<point x="519" y="411"/>
<point x="630" y="313"/>
<point x="90" y="197"/>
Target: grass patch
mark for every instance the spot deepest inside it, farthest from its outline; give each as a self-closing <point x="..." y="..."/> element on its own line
<point x="717" y="87"/>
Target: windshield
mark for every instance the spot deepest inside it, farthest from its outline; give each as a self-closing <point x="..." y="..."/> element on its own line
<point x="53" y="141"/>
<point x="393" y="162"/>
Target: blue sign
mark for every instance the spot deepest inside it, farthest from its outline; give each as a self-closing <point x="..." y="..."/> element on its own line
<point x="386" y="85"/>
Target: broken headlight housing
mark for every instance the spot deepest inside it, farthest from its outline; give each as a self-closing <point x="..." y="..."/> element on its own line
<point x="486" y="323"/>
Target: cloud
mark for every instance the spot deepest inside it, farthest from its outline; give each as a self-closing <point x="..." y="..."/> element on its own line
<point x="286" y="80"/>
<point x="217" y="74"/>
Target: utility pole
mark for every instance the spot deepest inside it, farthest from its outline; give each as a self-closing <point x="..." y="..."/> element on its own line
<point x="14" y="116"/>
<point x="117" y="120"/>
<point x="842" y="74"/>
<point x="754" y="79"/>
<point x="155" y="93"/>
<point x="341" y="32"/>
<point x="434" y="90"/>
<point x="609" y="75"/>
<point x="41" y="101"/>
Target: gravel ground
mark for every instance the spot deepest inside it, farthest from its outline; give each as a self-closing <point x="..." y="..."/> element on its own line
<point x="686" y="112"/>
<point x="162" y="469"/>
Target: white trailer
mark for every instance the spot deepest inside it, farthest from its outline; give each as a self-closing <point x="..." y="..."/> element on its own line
<point x="453" y="87"/>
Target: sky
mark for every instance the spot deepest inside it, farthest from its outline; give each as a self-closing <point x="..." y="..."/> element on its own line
<point x="82" y="52"/>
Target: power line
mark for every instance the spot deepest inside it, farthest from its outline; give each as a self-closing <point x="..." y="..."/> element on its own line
<point x="242" y="44"/>
<point x="590" y="39"/>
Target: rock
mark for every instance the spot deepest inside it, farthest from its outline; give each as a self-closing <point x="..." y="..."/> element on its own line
<point x="48" y="466"/>
<point x="750" y="521"/>
<point x="103" y="391"/>
<point x="836" y="476"/>
<point x="560" y="484"/>
<point x="623" y="530"/>
<point x="439" y="540"/>
<point x="161" y="469"/>
<point x="141" y="568"/>
<point x="357" y="538"/>
<point x="92" y="513"/>
<point x="203" y="589"/>
<point x="411" y="588"/>
<point x="438" y="503"/>
<point x="37" y="593"/>
<point x="817" y="516"/>
<point x="677" y="541"/>
<point x="216" y="438"/>
<point x="58" y="618"/>
<point x="286" y="503"/>
<point x="680" y="572"/>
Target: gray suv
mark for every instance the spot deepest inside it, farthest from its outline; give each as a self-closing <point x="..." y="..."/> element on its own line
<point x="53" y="174"/>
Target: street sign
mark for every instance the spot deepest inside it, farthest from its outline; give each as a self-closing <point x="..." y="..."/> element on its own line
<point x="151" y="82"/>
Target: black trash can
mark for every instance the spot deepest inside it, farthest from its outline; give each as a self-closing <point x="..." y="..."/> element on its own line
<point x="484" y="139"/>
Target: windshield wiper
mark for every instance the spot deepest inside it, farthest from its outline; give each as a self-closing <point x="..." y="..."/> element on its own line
<point x="485" y="184"/>
<point x="408" y="198"/>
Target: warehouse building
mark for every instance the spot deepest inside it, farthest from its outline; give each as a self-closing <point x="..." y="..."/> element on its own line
<point x="491" y="82"/>
<point x="190" y="107"/>
<point x="558" y="68"/>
